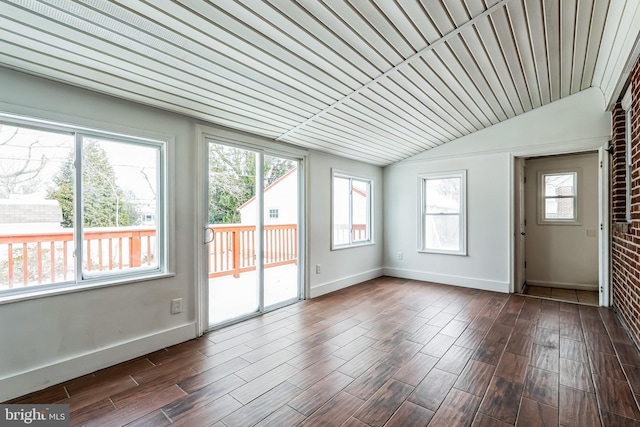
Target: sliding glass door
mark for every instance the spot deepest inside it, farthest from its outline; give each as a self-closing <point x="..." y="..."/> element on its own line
<point x="252" y="233"/>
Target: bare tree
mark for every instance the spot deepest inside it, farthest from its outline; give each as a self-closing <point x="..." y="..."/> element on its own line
<point x="21" y="174"/>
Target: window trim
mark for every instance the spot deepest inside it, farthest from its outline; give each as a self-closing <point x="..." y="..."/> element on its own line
<point x="336" y="173"/>
<point x="628" y="158"/>
<point x="577" y="197"/>
<point x="422" y="211"/>
<point x="81" y="282"/>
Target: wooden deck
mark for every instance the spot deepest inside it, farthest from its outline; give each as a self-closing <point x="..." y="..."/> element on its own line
<point x="387" y="352"/>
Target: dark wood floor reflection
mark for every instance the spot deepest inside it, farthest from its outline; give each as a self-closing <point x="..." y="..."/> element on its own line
<point x="387" y="352"/>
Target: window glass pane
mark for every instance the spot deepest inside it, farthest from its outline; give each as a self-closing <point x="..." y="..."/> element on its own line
<point x="340" y="211"/>
<point x="360" y="213"/>
<point x="36" y="241"/>
<point x="119" y="187"/>
<point x="443" y="195"/>
<point x="559" y="208"/>
<point x="442" y="232"/>
<point x="559" y="185"/>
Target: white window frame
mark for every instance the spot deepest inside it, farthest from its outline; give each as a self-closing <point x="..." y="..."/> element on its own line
<point x="626" y="106"/>
<point x="462" y="215"/>
<point x="577" y="181"/>
<point x="81" y="280"/>
<point x="335" y="173"/>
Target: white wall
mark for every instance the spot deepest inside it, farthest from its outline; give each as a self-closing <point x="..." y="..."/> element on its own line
<point x="51" y="339"/>
<point x="563" y="255"/>
<point x="577" y="123"/>
<point x="343" y="267"/>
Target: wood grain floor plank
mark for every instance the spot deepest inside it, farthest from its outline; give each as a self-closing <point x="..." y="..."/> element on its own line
<point x="433" y="389"/>
<point x="334" y="412"/>
<point x="536" y="414"/>
<point x="410" y="414"/>
<point x="320" y="393"/>
<point x="542" y="386"/>
<point x="458" y="409"/>
<point x="502" y="400"/>
<point x="370" y="381"/>
<point x="377" y="410"/>
<point x="416" y="369"/>
<point x="578" y="408"/>
<point x="260" y="408"/>
<point x="388" y="351"/>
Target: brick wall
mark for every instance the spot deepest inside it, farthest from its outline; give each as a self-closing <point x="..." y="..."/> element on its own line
<point x="625" y="250"/>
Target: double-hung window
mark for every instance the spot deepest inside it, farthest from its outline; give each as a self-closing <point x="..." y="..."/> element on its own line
<point x="443" y="213"/>
<point x="78" y="206"/>
<point x="559" y="197"/>
<point x="351" y="210"/>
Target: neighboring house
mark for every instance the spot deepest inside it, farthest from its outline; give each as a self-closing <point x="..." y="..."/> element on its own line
<point x="29" y="215"/>
<point x="280" y="202"/>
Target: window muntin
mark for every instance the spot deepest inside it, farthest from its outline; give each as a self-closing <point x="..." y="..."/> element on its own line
<point x="559" y="201"/>
<point x="443" y="213"/>
<point x="51" y="190"/>
<point x="351" y="210"/>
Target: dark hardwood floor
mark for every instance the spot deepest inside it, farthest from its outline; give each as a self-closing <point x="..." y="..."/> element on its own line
<point x="387" y="352"/>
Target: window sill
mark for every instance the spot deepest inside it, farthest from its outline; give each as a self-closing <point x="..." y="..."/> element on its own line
<point x="355" y="245"/>
<point x="437" y="252"/>
<point x="71" y="288"/>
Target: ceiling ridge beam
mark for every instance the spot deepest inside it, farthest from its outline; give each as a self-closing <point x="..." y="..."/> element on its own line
<point x="501" y="4"/>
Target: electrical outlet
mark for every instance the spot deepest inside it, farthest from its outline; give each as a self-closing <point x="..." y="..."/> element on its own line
<point x="176" y="306"/>
<point x="400" y="256"/>
<point x="317" y="268"/>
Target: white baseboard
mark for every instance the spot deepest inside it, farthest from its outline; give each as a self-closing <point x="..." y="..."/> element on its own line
<point x="562" y="285"/>
<point x="467" y="282"/>
<point x="64" y="370"/>
<point x="345" y="282"/>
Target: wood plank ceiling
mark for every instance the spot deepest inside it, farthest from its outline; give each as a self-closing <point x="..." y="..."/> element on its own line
<point x="373" y="80"/>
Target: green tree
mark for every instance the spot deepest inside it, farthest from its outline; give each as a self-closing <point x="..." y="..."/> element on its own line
<point x="105" y="203"/>
<point x="232" y="175"/>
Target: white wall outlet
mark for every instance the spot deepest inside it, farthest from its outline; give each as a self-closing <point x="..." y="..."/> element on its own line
<point x="317" y="268"/>
<point x="176" y="306"/>
<point x="400" y="256"/>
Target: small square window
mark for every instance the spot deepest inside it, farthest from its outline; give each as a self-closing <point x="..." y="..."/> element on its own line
<point x="274" y="213"/>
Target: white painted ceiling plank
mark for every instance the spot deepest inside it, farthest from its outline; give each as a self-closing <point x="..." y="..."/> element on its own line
<point x="119" y="88"/>
<point x="97" y="48"/>
<point x="581" y="40"/>
<point x="420" y="19"/>
<point x="412" y="107"/>
<point x="402" y="23"/>
<point x="382" y="25"/>
<point x="552" y="31"/>
<point x="443" y="96"/>
<point x="510" y="103"/>
<point x="258" y="19"/>
<point x="477" y="65"/>
<point x="535" y="20"/>
<point x="520" y="28"/>
<point x="338" y="25"/>
<point x="439" y="16"/>
<point x="567" y="37"/>
<point x="340" y="55"/>
<point x="458" y="11"/>
<point x="83" y="57"/>
<point x="598" y="20"/>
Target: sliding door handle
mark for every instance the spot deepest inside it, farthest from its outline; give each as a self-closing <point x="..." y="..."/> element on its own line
<point x="213" y="235"/>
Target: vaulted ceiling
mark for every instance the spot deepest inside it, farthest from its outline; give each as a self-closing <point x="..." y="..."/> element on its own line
<point x="373" y="80"/>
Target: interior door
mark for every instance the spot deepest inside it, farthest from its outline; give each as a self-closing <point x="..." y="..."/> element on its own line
<point x="252" y="233"/>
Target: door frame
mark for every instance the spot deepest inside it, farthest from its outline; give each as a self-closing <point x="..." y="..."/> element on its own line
<point x="264" y="146"/>
<point x="604" y="245"/>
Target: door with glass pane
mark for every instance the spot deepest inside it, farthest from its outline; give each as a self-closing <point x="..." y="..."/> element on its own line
<point x="252" y="232"/>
